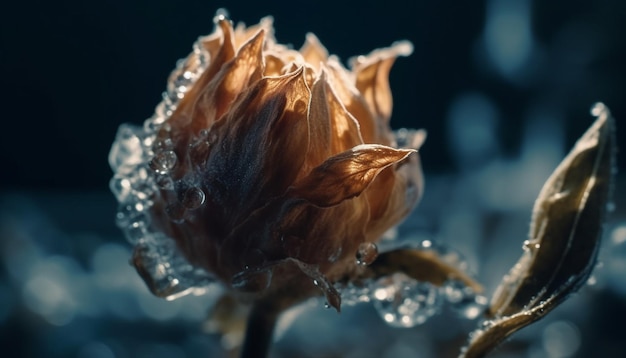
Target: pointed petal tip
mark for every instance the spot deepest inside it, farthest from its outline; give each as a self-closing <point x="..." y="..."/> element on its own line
<point x="402" y="48"/>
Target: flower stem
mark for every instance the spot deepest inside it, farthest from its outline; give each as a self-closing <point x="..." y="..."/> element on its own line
<point x="259" y="330"/>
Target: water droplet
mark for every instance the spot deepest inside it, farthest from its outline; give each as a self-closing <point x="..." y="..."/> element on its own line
<point x="193" y="198"/>
<point x="464" y="301"/>
<point x="352" y="294"/>
<point x="366" y="253"/>
<point x="152" y="124"/>
<point x="531" y="245"/>
<point x="180" y="81"/>
<point x="163" y="162"/>
<point x="136" y="232"/>
<point x="120" y="186"/>
<point x="148" y="141"/>
<point x="221" y="15"/>
<point x="404" y="302"/>
<point x="165" y="109"/>
<point x="126" y="152"/>
<point x="165" y="271"/>
<point x="598" y="109"/>
<point x="162" y="144"/>
<point x="129" y="211"/>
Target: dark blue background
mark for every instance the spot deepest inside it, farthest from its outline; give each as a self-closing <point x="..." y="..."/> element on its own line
<point x="73" y="71"/>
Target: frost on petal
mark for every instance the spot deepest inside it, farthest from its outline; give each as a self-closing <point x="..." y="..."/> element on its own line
<point x="346" y="174"/>
<point x="224" y="54"/>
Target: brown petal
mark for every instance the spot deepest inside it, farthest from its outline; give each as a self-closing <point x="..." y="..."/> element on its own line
<point x="372" y="77"/>
<point x="346" y="132"/>
<point x="341" y="82"/>
<point x="226" y="53"/>
<point x="274" y="64"/>
<point x="262" y="145"/>
<point x="242" y="33"/>
<point x="347" y="174"/>
<point x="313" y="51"/>
<point x="319" y="126"/>
<point x="395" y="193"/>
<point x="419" y="264"/>
<point x="245" y="69"/>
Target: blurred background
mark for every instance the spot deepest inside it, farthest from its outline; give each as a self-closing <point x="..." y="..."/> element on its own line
<point x="503" y="88"/>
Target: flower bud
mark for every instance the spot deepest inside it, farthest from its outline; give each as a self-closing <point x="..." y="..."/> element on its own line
<point x="268" y="168"/>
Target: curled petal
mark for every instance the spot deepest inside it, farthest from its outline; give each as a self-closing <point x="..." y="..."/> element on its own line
<point x="237" y="75"/>
<point x="342" y="83"/>
<point x="347" y="174"/>
<point x="243" y="33"/>
<point x="333" y="129"/>
<point x="372" y="77"/>
<point x="313" y="51"/>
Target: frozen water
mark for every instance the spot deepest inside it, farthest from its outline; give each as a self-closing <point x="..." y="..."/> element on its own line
<point x="403" y="302"/>
<point x="126" y="152"/>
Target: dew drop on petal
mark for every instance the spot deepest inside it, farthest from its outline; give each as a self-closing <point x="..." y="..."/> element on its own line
<point x="136" y="231"/>
<point x="366" y="253"/>
<point x="120" y="187"/>
<point x="163" y="162"/>
<point x="126" y="152"/>
<point x="598" y="109"/>
<point x="163" y="144"/>
<point x="221" y="15"/>
<point x="193" y="198"/>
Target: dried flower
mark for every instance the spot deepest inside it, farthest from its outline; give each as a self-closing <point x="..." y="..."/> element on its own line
<point x="268" y="167"/>
<point x="275" y="172"/>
